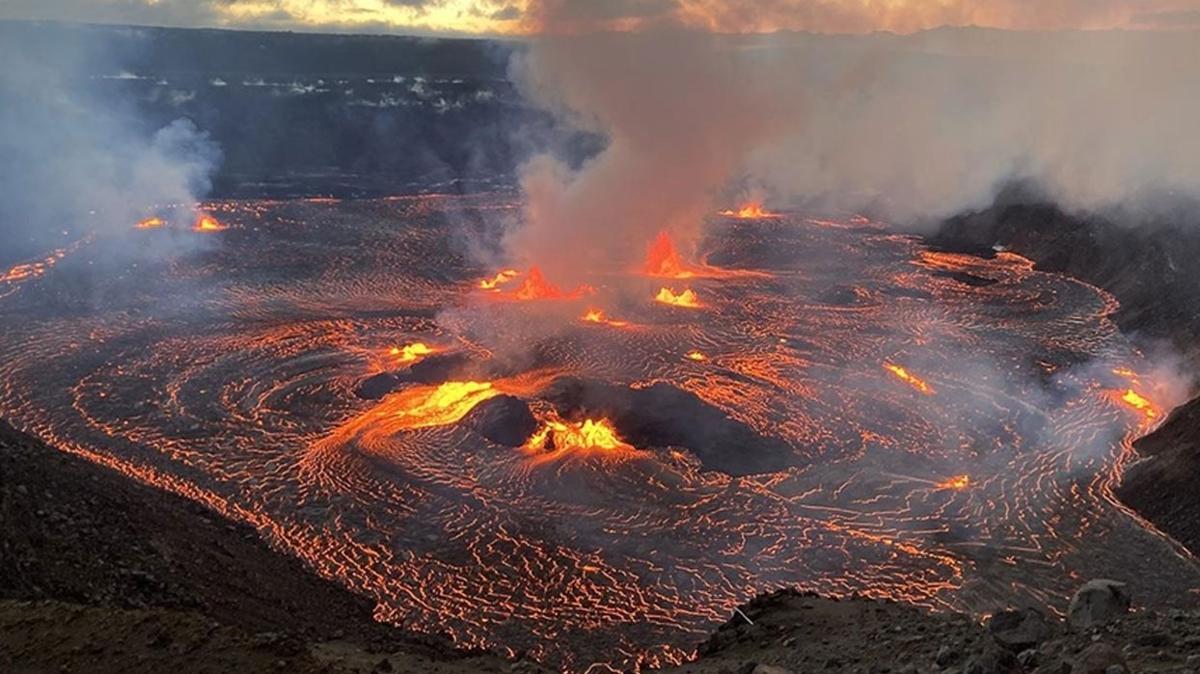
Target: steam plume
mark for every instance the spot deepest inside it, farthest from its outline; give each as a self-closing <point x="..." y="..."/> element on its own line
<point x="913" y="127"/>
<point x="74" y="159"/>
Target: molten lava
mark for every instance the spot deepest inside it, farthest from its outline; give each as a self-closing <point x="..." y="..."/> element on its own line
<point x="1139" y="402"/>
<point x="447" y="403"/>
<point x="150" y="223"/>
<point x="410" y="353"/>
<point x="696" y="356"/>
<point x="663" y="260"/>
<point x="536" y="287"/>
<point x="956" y="483"/>
<point x="687" y="298"/>
<point x="207" y="223"/>
<point x="908" y="378"/>
<point x="499" y="279"/>
<point x="588" y="435"/>
<point x="598" y="316"/>
<point x="750" y="211"/>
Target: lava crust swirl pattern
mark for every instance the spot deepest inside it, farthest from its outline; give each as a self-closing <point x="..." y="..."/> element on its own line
<point x="954" y="425"/>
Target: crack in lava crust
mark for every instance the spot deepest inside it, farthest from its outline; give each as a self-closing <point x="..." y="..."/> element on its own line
<point x="230" y="376"/>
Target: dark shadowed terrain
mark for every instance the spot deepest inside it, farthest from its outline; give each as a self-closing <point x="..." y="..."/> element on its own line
<point x="101" y="574"/>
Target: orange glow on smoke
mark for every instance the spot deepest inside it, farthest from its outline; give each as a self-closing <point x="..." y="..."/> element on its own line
<point x="907" y="377"/>
<point x="499" y="279"/>
<point x="1139" y="402"/>
<point x="696" y="356"/>
<point x="663" y="260"/>
<point x="751" y="211"/>
<point x="536" y="287"/>
<point x="687" y="298"/>
<point x="207" y="223"/>
<point x="150" y="223"/>
<point x="410" y="353"/>
<point x="956" y="483"/>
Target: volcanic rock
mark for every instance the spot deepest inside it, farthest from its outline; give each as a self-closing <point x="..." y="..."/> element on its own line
<point x="440" y="369"/>
<point x="662" y="416"/>
<point x="1100" y="658"/>
<point x="992" y="659"/>
<point x="504" y="420"/>
<point x="1019" y="629"/>
<point x="1097" y="602"/>
<point x="377" y="386"/>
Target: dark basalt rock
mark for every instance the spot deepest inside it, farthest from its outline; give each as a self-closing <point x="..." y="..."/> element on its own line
<point x="662" y="416"/>
<point x="1019" y="629"/>
<point x="966" y="279"/>
<point x="377" y="386"/>
<point x="504" y="420"/>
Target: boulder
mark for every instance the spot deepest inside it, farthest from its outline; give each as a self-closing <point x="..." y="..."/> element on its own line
<point x="1019" y="629"/>
<point x="993" y="659"/>
<point x="505" y="420"/>
<point x="1097" y="602"/>
<point x="1100" y="658"/>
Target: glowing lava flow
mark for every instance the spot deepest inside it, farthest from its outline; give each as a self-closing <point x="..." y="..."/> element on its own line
<point x="207" y="223"/>
<point x="956" y="483"/>
<point x="751" y="211"/>
<point x="1138" y="402"/>
<point x="687" y="298"/>
<point x="150" y="223"/>
<point x="558" y="439"/>
<point x="663" y="260"/>
<point x="597" y="316"/>
<point x="498" y="280"/>
<point x="426" y="406"/>
<point x="410" y="353"/>
<point x="907" y="377"/>
<point x="696" y="356"/>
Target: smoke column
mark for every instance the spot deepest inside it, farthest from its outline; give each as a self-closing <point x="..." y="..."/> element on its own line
<point x="912" y="128"/>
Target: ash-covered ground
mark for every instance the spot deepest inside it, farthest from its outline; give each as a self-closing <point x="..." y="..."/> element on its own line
<point x="930" y="427"/>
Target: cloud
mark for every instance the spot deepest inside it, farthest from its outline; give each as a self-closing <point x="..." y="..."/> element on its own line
<point x="1177" y="19"/>
<point x="575" y="16"/>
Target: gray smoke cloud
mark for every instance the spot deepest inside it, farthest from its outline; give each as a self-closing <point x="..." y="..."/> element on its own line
<point x="75" y="161"/>
<point x="912" y="128"/>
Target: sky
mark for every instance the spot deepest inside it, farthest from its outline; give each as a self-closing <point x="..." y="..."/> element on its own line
<point x="526" y="17"/>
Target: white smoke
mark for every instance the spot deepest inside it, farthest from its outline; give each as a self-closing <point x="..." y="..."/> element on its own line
<point x="76" y="161"/>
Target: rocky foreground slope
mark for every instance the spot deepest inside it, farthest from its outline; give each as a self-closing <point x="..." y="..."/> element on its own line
<point x="1154" y="271"/>
<point x="101" y="574"/>
<point x="790" y="632"/>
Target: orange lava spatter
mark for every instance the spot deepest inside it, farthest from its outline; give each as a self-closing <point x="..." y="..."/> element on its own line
<point x="207" y="223"/>
<point x="956" y="483"/>
<point x="1137" y="401"/>
<point x="499" y="279"/>
<point x="686" y="299"/>
<point x="410" y="353"/>
<point x="750" y="211"/>
<point x="663" y="260"/>
<point x="150" y="223"/>
<point x="536" y="287"/>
